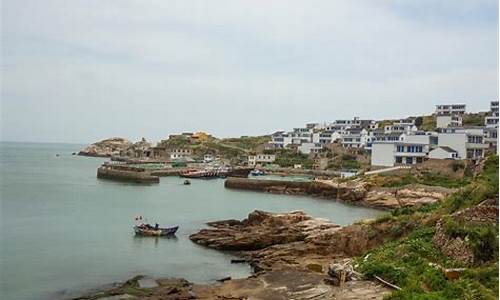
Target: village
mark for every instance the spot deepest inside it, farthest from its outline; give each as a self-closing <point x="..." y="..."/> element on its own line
<point x="355" y="145"/>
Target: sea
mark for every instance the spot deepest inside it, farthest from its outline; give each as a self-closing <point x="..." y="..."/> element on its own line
<point x="64" y="233"/>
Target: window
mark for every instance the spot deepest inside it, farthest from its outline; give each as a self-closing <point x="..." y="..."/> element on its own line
<point x="399" y="159"/>
<point x="409" y="160"/>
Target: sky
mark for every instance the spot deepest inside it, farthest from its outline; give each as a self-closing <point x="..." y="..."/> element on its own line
<point x="83" y="70"/>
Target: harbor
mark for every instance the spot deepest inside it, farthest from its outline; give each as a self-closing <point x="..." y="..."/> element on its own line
<point x="86" y="223"/>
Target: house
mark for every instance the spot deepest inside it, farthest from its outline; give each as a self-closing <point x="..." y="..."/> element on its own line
<point x="468" y="142"/>
<point x="449" y="115"/>
<point x="261" y="159"/>
<point x="450" y="109"/>
<point x="491" y="120"/>
<point x="354" y="138"/>
<point x="180" y="153"/>
<point x="308" y="148"/>
<point x="400" y="127"/>
<point x="389" y="154"/>
<point x="491" y="138"/>
<point x="208" y="158"/>
<point x="443" y="121"/>
<point x="443" y="152"/>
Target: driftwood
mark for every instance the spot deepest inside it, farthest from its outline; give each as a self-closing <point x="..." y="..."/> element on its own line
<point x="388" y="283"/>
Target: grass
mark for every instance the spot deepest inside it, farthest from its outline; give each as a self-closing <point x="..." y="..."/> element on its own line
<point x="409" y="261"/>
<point x="427" y="178"/>
<point x="289" y="158"/>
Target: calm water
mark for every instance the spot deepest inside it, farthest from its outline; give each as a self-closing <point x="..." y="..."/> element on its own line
<point x="63" y="231"/>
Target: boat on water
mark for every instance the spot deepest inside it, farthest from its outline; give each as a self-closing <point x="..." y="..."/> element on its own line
<point x="145" y="229"/>
<point x="152" y="231"/>
<point x="187" y="182"/>
<point x="257" y="173"/>
<point x="217" y="172"/>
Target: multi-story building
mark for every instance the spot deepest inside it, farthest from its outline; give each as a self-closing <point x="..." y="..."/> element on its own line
<point x="308" y="148"/>
<point x="354" y="138"/>
<point x="450" y="109"/>
<point x="443" y="121"/>
<point x="491" y="120"/>
<point x="449" y="115"/>
<point x="469" y="142"/>
<point x="389" y="154"/>
<point x="180" y="153"/>
<point x="261" y="159"/>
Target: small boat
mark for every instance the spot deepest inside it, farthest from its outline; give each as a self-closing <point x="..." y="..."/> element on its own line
<point x="152" y="231"/>
<point x="257" y="173"/>
<point x="187" y="182"/>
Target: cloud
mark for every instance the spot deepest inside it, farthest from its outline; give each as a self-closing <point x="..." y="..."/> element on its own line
<point x="82" y="70"/>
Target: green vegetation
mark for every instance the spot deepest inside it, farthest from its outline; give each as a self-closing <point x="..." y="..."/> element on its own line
<point x="411" y="260"/>
<point x="345" y="162"/>
<point x="473" y="119"/>
<point x="289" y="158"/>
<point x="246" y="142"/>
<point x="427" y="178"/>
<point x="428" y="123"/>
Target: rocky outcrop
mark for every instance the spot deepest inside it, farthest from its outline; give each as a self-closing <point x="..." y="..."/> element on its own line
<point x="356" y="192"/>
<point x="260" y="230"/>
<point x="106" y="148"/>
<point x="457" y="247"/>
<point x="269" y="241"/>
<point x="408" y="196"/>
<point x="314" y="188"/>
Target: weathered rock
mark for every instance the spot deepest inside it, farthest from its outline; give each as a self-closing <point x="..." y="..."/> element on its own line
<point x="337" y="270"/>
<point x="106" y="148"/>
<point x="457" y="247"/>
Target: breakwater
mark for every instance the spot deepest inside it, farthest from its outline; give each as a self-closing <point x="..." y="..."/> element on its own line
<point x="312" y="188"/>
<point x="125" y="173"/>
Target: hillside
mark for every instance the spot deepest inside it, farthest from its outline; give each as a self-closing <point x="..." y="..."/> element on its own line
<point x="460" y="232"/>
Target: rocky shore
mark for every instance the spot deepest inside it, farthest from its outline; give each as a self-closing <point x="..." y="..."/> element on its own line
<point x="294" y="256"/>
<point x="106" y="148"/>
<point x="356" y="192"/>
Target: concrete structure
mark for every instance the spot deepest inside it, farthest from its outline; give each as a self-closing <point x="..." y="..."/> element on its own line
<point x="180" y="153"/>
<point x="468" y="142"/>
<point x="450" y="109"/>
<point x="308" y="148"/>
<point x="443" y="121"/>
<point x="443" y="153"/>
<point x="492" y="119"/>
<point x="389" y="154"/>
<point x="261" y="159"/>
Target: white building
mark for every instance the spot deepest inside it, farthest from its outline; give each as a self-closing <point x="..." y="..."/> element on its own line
<point x="307" y="148"/>
<point x="261" y="159"/>
<point x="180" y="153"/>
<point x="208" y="158"/>
<point x="443" y="153"/>
<point x="492" y="119"/>
<point x="389" y="154"/>
<point x="354" y="138"/>
<point x="443" y="121"/>
<point x="468" y="142"/>
<point x="450" y="109"/>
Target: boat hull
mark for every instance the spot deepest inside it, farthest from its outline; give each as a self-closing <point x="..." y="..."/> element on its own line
<point x="155" y="232"/>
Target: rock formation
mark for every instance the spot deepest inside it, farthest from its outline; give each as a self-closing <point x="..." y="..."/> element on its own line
<point x="106" y="148"/>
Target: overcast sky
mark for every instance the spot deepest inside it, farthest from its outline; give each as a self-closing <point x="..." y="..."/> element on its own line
<point x="83" y="70"/>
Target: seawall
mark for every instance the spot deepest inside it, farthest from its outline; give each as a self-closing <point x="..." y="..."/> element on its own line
<point x="283" y="187"/>
<point x="122" y="174"/>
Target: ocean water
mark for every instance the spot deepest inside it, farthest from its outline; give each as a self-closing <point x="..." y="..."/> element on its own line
<point x="64" y="232"/>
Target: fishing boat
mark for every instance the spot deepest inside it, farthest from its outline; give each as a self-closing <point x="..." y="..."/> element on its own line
<point x="187" y="182"/>
<point x="257" y="173"/>
<point x="152" y="231"/>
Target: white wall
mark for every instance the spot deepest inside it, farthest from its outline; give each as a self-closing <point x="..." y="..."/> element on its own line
<point x="439" y="153"/>
<point x="443" y="121"/>
<point x="456" y="141"/>
<point x="383" y="154"/>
